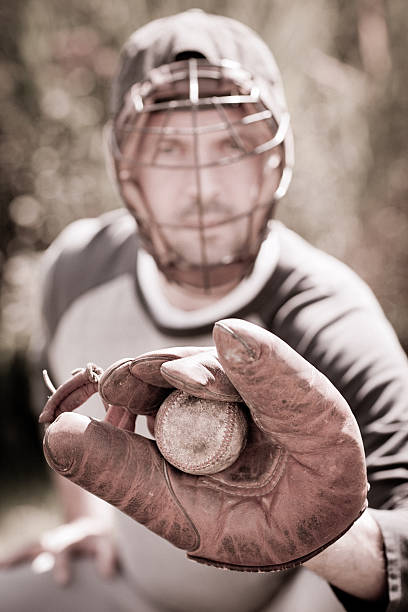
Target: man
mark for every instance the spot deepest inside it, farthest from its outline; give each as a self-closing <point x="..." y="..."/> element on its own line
<point x="200" y="148"/>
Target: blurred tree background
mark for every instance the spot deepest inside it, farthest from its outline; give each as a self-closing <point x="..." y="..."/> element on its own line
<point x="344" y="66"/>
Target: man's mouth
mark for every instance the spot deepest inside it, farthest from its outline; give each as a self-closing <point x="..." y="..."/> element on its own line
<point x="206" y="221"/>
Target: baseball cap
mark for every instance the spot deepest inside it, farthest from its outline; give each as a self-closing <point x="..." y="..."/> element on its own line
<point x="214" y="37"/>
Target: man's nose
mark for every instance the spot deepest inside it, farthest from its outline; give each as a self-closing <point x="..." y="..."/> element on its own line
<point x="204" y="186"/>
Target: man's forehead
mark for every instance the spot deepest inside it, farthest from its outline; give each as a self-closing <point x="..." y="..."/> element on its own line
<point x="187" y="118"/>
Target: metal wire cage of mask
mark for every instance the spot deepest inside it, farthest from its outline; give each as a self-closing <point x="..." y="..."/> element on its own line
<point x="146" y="136"/>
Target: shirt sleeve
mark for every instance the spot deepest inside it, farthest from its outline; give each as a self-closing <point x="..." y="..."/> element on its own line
<point x="59" y="282"/>
<point x="87" y="254"/>
<point x="330" y="317"/>
<point x="40" y="338"/>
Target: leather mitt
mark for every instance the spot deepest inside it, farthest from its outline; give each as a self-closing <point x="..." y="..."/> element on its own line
<point x="298" y="486"/>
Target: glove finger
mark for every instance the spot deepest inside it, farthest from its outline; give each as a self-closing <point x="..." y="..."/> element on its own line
<point x="118" y="386"/>
<point x="307" y="418"/>
<point x="147" y="367"/>
<point x="120" y="417"/>
<point x="123" y="468"/>
<point x="72" y="393"/>
<point x="128" y="421"/>
<point x="137" y="384"/>
<point x="114" y="415"/>
<point x="279" y="386"/>
<point x="288" y="398"/>
<point x="200" y="375"/>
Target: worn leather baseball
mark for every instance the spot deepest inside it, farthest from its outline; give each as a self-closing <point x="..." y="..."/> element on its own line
<point x="200" y="436"/>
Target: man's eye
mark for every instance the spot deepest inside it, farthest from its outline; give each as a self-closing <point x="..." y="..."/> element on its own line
<point x="232" y="145"/>
<point x="166" y="146"/>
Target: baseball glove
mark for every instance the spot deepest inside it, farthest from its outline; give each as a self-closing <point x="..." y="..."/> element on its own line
<point x="298" y="486"/>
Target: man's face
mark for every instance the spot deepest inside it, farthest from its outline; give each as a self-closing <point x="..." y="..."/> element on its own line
<point x="207" y="214"/>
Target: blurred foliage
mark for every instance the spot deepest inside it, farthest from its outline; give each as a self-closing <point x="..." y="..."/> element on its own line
<point x="343" y="63"/>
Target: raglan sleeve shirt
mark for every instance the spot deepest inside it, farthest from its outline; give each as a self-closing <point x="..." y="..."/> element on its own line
<point x="328" y="314"/>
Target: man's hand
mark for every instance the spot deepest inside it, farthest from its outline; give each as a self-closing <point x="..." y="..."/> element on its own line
<point x="57" y="547"/>
<point x="297" y="487"/>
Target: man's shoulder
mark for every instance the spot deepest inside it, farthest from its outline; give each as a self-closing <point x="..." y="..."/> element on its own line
<point x="108" y="231"/>
<point x="309" y="267"/>
<point x="310" y="288"/>
<point x="88" y="253"/>
<point x="97" y="245"/>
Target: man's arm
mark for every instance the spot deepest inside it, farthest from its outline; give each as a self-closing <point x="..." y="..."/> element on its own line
<point x="356" y="562"/>
<point x="86" y="530"/>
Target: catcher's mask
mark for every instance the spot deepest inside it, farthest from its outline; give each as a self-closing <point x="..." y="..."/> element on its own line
<point x="201" y="153"/>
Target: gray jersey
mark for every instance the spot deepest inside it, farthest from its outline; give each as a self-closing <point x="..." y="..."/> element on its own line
<point x="102" y="302"/>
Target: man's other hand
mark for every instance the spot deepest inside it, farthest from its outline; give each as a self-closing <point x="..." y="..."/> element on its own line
<point x="56" y="549"/>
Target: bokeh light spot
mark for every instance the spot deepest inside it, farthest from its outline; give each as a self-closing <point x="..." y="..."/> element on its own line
<point x="25" y="211"/>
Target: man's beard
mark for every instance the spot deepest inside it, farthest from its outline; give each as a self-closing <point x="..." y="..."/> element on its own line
<point x="207" y="240"/>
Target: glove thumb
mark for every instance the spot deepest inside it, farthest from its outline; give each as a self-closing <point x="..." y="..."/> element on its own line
<point x="122" y="468"/>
